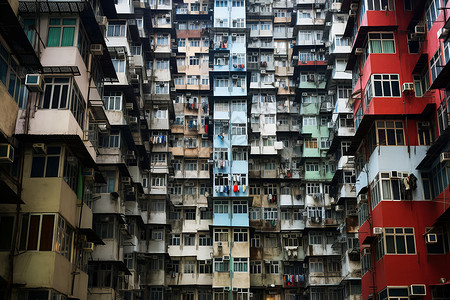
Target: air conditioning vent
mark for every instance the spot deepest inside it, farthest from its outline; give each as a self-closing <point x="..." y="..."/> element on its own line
<point x="420" y="29"/>
<point x="34" y="83"/>
<point x="129" y="106"/>
<point x="226" y="257"/>
<point x="6" y="153"/>
<point x="133" y="120"/>
<point x="88" y="247"/>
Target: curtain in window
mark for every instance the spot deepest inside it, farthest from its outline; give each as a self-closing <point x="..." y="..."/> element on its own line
<point x="388" y="46"/>
<point x="53" y="36"/>
<point x="375" y="45"/>
<point x="386" y="187"/>
<point x="28" y="25"/>
<point x="68" y="35"/>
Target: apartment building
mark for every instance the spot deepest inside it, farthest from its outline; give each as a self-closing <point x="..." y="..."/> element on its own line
<point x="399" y="100"/>
<point x="201" y="150"/>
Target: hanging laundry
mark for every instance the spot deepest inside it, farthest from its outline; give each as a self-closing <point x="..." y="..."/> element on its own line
<point x="244" y="187"/>
<point x="239" y="188"/>
<point x="235" y="188"/>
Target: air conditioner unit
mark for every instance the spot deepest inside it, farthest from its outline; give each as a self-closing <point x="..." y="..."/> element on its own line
<point x="295" y="57"/>
<point x="129" y="106"/>
<point x="354" y="7"/>
<point x="97" y="49"/>
<point x="445" y="156"/>
<point x="34" y="83"/>
<point x="328" y="24"/>
<point x="250" y="295"/>
<point x="305" y="266"/>
<point x="366" y="251"/>
<point x="407" y="87"/>
<point x="377" y="230"/>
<point x="88" y="247"/>
<point x="330" y="125"/>
<point x="226" y="288"/>
<point x="101" y="20"/>
<point x="123" y="227"/>
<point x="313" y="50"/>
<point x="359" y="51"/>
<point x="278" y="145"/>
<point x="235" y="77"/>
<point x="417" y="290"/>
<point x="126" y="180"/>
<point x="40" y="148"/>
<point x="235" y="289"/>
<point x="226" y="257"/>
<point x="327" y="44"/>
<point x="339" y="208"/>
<point x="425" y="124"/>
<point x="219" y="244"/>
<point x="263" y="71"/>
<point x="304" y="94"/>
<point x="133" y="120"/>
<point x="234" y="35"/>
<point x="89" y="173"/>
<point x="225" y="34"/>
<point x="219" y="174"/>
<point x="431" y="238"/>
<point x="420" y="29"/>
<point x="6" y="153"/>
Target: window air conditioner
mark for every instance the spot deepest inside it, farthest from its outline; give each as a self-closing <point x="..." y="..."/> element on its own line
<point x="407" y="87"/>
<point x="226" y="288"/>
<point x="339" y="207"/>
<point x="40" y="148"/>
<point x="133" y="120"/>
<point x="445" y="156"/>
<point x="126" y="180"/>
<point x="420" y="29"/>
<point x="88" y="247"/>
<point x="6" y="153"/>
<point x="34" y="82"/>
<point x="417" y="290"/>
<point x="377" y="230"/>
<point x="97" y="49"/>
<point x="226" y="257"/>
<point x="304" y="94"/>
<point x="129" y="106"/>
<point x="359" y="51"/>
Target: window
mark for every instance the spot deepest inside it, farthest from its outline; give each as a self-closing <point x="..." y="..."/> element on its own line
<point x="255" y="213"/>
<point x="189" y="239"/>
<point x="189" y="214"/>
<point x="221" y="265"/>
<point x="117" y="28"/>
<point x="240" y="264"/>
<point x="156" y="293"/>
<point x="204" y="267"/>
<point x="381" y="43"/>
<point x="269" y="119"/>
<point x="63" y="93"/>
<point x="238" y="129"/>
<point x="292" y="241"/>
<point x="255" y="267"/>
<point x="311" y="143"/>
<point x="255" y="241"/>
<point x="37" y="232"/>
<point x="221" y="207"/>
<point x="61" y="32"/>
<point x="175" y="240"/>
<point x="315" y="265"/>
<point x="436" y="64"/>
<point x="10" y="78"/>
<point x="239" y="207"/>
<point x="237" y="105"/>
<point x="113" y="100"/>
<point x="270" y="214"/>
<point x="432" y="10"/>
<point x="46" y="165"/>
<point x="396" y="241"/>
<point x="388" y="187"/>
<point x="312" y="167"/>
<point x="158" y="181"/>
<point x="366" y="262"/>
<point x="273" y="267"/>
<point x="194" y="60"/>
<point x="383" y="85"/>
<point x="325" y="143"/>
<point x="240" y="235"/>
<point x="386" y="133"/>
<point x="315" y="238"/>
<point x="189" y="267"/>
<point x="157" y="234"/>
<point x="157" y="205"/>
<point x="204" y="240"/>
<point x="312" y="188"/>
<point x="162" y="39"/>
<point x="6" y="232"/>
<point x="220" y="235"/>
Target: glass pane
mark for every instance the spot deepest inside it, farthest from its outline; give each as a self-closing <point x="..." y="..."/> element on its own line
<point x="55" y="100"/>
<point x="386" y="188"/>
<point x="378" y="89"/>
<point x="37" y="166"/>
<point x="390" y="244"/>
<point x="375" y="46"/>
<point x="386" y="88"/>
<point x="47" y="233"/>
<point x="391" y="137"/>
<point x="33" y="233"/>
<point x="53" y="36"/>
<point x="52" y="166"/>
<point x="410" y="244"/>
<point x="401" y="248"/>
<point x="388" y="47"/>
<point x="68" y="35"/>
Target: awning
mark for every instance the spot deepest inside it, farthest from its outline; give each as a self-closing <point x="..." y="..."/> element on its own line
<point x="12" y="32"/>
<point x="8" y="195"/>
<point x="91" y="236"/>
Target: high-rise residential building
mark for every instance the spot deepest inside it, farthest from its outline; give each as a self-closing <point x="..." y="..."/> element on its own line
<point x="226" y="149"/>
